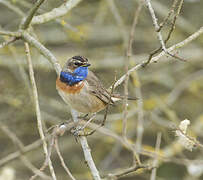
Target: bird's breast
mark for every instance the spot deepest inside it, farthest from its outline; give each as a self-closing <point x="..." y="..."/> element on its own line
<point x="75" y="89"/>
<point x="79" y="97"/>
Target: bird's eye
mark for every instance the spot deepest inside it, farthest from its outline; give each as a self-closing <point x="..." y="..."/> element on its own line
<point x="77" y="63"/>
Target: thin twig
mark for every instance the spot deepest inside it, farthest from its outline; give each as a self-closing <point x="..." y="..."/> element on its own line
<point x="119" y="21"/>
<point x="140" y="127"/>
<point x="39" y="120"/>
<point x="171" y="11"/>
<point x="128" y="56"/>
<point x="11" y="40"/>
<point x="46" y="161"/>
<point x="22" y="72"/>
<point x="174" y="21"/>
<point x="17" y="154"/>
<point x="12" y="7"/>
<point x="125" y="172"/>
<point x="185" y="25"/>
<point x="31" y="13"/>
<point x="156" y="26"/>
<point x="62" y="160"/>
<point x="157" y="29"/>
<point x="20" y="145"/>
<point x="109" y="102"/>
<point x="163" y="53"/>
<point x="157" y="147"/>
<point x="155" y="23"/>
<point x="29" y="5"/>
<point x="170" y="31"/>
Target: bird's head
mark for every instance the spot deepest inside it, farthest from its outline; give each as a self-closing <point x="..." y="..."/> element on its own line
<point x="75" y="70"/>
<point x="75" y="62"/>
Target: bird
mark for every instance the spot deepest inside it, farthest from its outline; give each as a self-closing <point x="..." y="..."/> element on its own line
<point x="81" y="88"/>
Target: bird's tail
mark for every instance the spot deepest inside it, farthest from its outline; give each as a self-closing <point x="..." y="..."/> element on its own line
<point x="118" y="97"/>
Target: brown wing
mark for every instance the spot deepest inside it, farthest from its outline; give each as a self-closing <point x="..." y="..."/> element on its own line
<point x="97" y="88"/>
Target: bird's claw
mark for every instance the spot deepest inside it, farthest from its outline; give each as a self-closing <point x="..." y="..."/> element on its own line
<point x="77" y="131"/>
<point x="85" y="117"/>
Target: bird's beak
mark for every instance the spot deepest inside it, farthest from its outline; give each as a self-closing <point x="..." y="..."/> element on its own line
<point x="86" y="65"/>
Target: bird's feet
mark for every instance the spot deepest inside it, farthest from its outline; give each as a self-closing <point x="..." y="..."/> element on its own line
<point x="79" y="130"/>
<point x="84" y="117"/>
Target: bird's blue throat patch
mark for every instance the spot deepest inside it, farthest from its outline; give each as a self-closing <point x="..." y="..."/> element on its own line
<point x="78" y="75"/>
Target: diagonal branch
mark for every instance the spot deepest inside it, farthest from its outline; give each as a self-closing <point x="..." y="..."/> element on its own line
<point x="55" y="13"/>
<point x="21" y="146"/>
<point x="62" y="160"/>
<point x="125" y="172"/>
<point x="12" y="7"/>
<point x="43" y="50"/>
<point x="163" y="53"/>
<point x="31" y="14"/>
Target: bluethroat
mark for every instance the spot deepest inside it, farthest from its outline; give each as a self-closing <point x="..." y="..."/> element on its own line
<point x="81" y="89"/>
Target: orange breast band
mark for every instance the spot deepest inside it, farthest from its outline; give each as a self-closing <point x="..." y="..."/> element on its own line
<point x="69" y="89"/>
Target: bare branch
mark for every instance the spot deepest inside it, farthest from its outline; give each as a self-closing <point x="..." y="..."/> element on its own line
<point x="62" y="160"/>
<point x="9" y="33"/>
<point x="55" y="13"/>
<point x="43" y="50"/>
<point x="11" y="40"/>
<point x="119" y="21"/>
<point x="37" y="108"/>
<point x="12" y="7"/>
<point x="163" y="53"/>
<point x="157" y="28"/>
<point x="128" y="56"/>
<point x="17" y="154"/>
<point x="31" y="14"/>
<point x="87" y="151"/>
<point x="125" y="172"/>
<point x="169" y="14"/>
<point x="157" y="147"/>
<point x="23" y="158"/>
<point x="170" y="31"/>
<point x="140" y="120"/>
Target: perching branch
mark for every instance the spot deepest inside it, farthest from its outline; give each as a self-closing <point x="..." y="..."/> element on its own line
<point x="87" y="151"/>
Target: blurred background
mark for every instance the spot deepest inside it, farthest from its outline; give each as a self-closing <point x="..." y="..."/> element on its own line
<point x="171" y="90"/>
